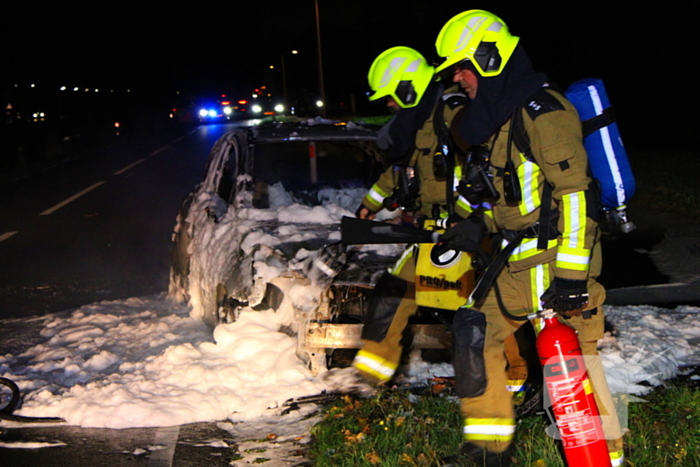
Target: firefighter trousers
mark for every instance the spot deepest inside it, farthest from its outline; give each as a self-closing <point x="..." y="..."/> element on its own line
<point x="392" y="305"/>
<point x="488" y="413"/>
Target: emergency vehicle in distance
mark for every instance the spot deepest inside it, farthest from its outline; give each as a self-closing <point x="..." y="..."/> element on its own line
<point x="223" y="107"/>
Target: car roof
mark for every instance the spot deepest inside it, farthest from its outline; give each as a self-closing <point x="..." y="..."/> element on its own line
<point x="313" y="130"/>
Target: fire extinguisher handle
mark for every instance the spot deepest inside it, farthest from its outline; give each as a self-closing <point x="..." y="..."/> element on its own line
<point x="544" y="314"/>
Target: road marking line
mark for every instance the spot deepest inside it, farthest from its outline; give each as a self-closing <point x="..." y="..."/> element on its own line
<point x="121" y="171"/>
<point x="159" y="150"/>
<point x="165" y="436"/>
<point x="69" y="200"/>
<point x="6" y="235"/>
<point x="177" y="140"/>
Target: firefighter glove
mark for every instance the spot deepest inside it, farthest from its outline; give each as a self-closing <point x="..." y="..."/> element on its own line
<point x="363" y="212"/>
<point x="566" y="296"/>
<point x="465" y="235"/>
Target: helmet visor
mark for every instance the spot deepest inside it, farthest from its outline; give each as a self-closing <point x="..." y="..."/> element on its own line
<point x="405" y="93"/>
<point x="447" y="73"/>
<point x="487" y="58"/>
<point x="486" y="62"/>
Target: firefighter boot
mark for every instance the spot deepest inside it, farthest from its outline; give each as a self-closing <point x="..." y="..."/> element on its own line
<point x="348" y="380"/>
<point x="471" y="455"/>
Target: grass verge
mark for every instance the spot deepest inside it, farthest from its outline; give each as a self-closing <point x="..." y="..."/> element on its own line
<point x="400" y="429"/>
<point x="392" y="428"/>
<point x="665" y="431"/>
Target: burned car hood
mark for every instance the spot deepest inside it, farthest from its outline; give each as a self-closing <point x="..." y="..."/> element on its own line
<point x="249" y="247"/>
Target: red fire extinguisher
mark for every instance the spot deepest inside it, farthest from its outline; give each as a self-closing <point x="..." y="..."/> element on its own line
<point x="571" y="394"/>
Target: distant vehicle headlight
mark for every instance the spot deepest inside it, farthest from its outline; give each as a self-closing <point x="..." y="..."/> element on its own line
<point x="279" y="108"/>
<point x="212" y="113"/>
<point x="228" y="110"/>
<point x="203" y="113"/>
<point x="257" y="109"/>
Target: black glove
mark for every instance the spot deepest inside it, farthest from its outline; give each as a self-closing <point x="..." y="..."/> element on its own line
<point x="566" y="296"/>
<point x="466" y="235"/>
<point x="367" y="214"/>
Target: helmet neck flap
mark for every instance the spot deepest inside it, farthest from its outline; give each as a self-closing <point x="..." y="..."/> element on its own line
<point x="499" y="96"/>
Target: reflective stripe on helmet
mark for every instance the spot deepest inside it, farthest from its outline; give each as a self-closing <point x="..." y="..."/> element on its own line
<point x="478" y="36"/>
<point x="401" y="73"/>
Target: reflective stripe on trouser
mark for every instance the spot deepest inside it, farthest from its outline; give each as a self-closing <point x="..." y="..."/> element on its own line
<point x="515" y="385"/>
<point x="381" y="348"/>
<point x="495" y="430"/>
<point x="617" y="458"/>
<point x="517" y="367"/>
<point x="377" y="360"/>
<point x="520" y="295"/>
<point x="373" y="367"/>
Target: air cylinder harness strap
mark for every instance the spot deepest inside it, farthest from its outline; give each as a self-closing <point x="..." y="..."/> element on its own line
<point x="544" y="229"/>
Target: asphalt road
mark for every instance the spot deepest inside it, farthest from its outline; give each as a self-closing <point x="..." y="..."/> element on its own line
<point x="99" y="227"/>
<point x="69" y="446"/>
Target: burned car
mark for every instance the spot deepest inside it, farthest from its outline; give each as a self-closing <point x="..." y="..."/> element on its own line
<point x="262" y="231"/>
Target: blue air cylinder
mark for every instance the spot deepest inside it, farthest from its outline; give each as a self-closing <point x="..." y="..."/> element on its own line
<point x="606" y="153"/>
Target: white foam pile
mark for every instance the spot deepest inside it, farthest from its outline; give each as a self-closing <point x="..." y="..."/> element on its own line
<point x="147" y="362"/>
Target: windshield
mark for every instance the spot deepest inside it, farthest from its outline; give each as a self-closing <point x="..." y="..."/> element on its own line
<point x="302" y="166"/>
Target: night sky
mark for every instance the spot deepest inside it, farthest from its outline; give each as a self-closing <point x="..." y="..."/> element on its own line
<point x="228" y="47"/>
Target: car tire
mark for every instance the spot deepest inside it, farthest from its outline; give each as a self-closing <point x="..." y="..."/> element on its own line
<point x="9" y="396"/>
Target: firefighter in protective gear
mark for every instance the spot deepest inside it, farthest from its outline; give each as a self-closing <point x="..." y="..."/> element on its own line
<point x="402" y="77"/>
<point x="543" y="196"/>
<point x="415" y="177"/>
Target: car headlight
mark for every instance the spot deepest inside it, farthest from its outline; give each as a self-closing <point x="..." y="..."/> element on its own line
<point x="279" y="108"/>
<point x="257" y="109"/>
<point x="228" y="110"/>
<point x="203" y="113"/>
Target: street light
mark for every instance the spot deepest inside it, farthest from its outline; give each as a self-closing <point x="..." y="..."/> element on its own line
<point x="284" y="79"/>
<point x="320" y="60"/>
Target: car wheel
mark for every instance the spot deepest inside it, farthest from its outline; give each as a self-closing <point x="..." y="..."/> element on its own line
<point x="9" y="396"/>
